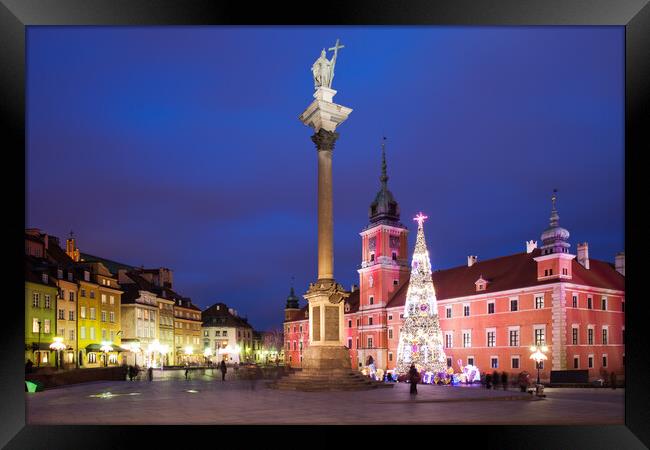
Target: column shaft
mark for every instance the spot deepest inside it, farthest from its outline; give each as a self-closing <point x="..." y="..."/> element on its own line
<point x="325" y="216"/>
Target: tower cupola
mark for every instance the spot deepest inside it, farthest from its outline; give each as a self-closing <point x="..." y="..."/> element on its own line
<point x="384" y="207"/>
<point x="554" y="238"/>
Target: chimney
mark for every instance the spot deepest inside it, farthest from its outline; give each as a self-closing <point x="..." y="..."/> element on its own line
<point x="354" y="288"/>
<point x="583" y="255"/>
<point x="471" y="260"/>
<point x="530" y="246"/>
<point x="619" y="263"/>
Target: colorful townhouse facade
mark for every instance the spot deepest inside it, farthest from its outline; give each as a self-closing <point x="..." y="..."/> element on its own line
<point x="40" y="317"/>
<point x="227" y="336"/>
<point x="491" y="312"/>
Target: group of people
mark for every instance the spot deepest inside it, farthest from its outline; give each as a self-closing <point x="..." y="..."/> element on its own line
<point x="492" y="380"/>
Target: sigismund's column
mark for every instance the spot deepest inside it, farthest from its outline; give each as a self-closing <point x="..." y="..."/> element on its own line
<point x="325" y="296"/>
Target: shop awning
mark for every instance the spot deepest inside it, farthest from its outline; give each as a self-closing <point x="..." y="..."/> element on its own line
<point x="97" y="348"/>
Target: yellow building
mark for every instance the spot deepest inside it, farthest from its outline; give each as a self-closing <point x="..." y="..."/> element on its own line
<point x="99" y="316"/>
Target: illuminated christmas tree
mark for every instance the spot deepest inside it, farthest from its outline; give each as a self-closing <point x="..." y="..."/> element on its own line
<point x="420" y="340"/>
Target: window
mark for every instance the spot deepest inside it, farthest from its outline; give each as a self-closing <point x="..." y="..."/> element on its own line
<point x="357" y="323"/>
<point x="576" y="362"/>
<point x="604" y="336"/>
<point x="92" y="294"/>
<point x="295" y="345"/>
<point x="59" y="273"/>
<point x="490" y="306"/>
<point x="111" y="316"/>
<point x="390" y="317"/>
<point x="390" y="333"/>
<point x="300" y="330"/>
<point x="103" y="334"/>
<point x="146" y="314"/>
<point x="35" y="325"/>
<point x="448" y="362"/>
<point x="358" y="344"/>
<point x="604" y="360"/>
<point x="92" y="333"/>
<point x="539" y="301"/>
<point x="138" y="312"/>
<point x="288" y="345"/>
<point x="370" y="342"/>
<point x="83" y="292"/>
<point x="514" y="337"/>
<point x="72" y="335"/>
<point x="86" y="275"/>
<point x="206" y="333"/>
<point x="448" y="312"/>
<point x="575" y="301"/>
<point x="69" y="276"/>
<point x="92" y="313"/>
<point x="590" y="303"/>
<point x="350" y="323"/>
<point x="449" y="340"/>
<point x="71" y="296"/>
<point x="514" y="304"/>
<point x="82" y="332"/>
<point x="61" y="314"/>
<point x="349" y="343"/>
<point x="622" y="306"/>
<point x="44" y="277"/>
<point x="574" y="335"/>
<point x="491" y="338"/>
<point x="103" y="316"/>
<point x="372" y="257"/>
<point x="494" y="362"/>
<point x="545" y="272"/>
<point x="394" y="256"/>
<point x="550" y="271"/>
<point x="395" y="282"/>
<point x="565" y="271"/>
<point x="390" y="356"/>
<point x="46" y="326"/>
<point x="36" y="299"/>
<point x="514" y="362"/>
<point x="92" y="358"/>
<point x="300" y="345"/>
<point x="467" y="338"/>
<point x="371" y="300"/>
<point x="539" y="335"/>
<point x="603" y="303"/>
<point x="470" y="360"/>
<point x="465" y="310"/>
<point x="104" y="298"/>
<point x="369" y="320"/>
<point x="590" y="335"/>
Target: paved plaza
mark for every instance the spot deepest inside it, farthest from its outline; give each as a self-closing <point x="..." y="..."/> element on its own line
<point x="207" y="400"/>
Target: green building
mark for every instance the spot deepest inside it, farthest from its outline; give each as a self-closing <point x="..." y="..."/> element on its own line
<point x="40" y="312"/>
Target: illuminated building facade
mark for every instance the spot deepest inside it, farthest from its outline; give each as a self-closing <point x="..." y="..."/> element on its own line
<point x="228" y="336"/>
<point x="491" y="312"/>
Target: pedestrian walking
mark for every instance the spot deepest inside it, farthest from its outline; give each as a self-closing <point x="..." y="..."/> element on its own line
<point x="414" y="378"/>
<point x="223" y="369"/>
<point x="612" y="379"/>
<point x="495" y="379"/>
<point x="488" y="381"/>
<point x="150" y="373"/>
<point x="504" y="380"/>
<point x="187" y="372"/>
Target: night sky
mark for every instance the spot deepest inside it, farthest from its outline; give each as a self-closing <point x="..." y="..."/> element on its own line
<point x="181" y="146"/>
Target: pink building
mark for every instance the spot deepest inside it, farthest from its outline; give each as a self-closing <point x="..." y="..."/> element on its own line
<point x="490" y="311"/>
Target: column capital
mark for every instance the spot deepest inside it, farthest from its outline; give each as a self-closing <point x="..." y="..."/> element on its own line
<point x="325" y="140"/>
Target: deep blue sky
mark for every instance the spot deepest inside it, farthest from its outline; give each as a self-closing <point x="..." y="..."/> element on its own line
<point x="181" y="146"/>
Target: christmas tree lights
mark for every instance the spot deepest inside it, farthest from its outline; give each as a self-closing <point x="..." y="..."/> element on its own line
<point x="420" y="340"/>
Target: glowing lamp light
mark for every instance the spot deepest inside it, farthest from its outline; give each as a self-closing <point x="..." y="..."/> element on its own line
<point x="58" y="344"/>
<point x="163" y="349"/>
<point x="188" y="350"/>
<point x="106" y="347"/>
<point x="207" y="352"/>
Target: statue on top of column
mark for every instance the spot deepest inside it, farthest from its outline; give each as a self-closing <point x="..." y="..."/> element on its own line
<point x="323" y="68"/>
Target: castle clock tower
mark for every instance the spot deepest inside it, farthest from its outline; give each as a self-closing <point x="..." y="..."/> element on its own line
<point x="384" y="269"/>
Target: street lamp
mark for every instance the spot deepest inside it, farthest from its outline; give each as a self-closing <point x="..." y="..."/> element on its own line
<point x="106" y="347"/>
<point x="57" y="346"/>
<point x="163" y="349"/>
<point x="539" y="356"/>
<point x="188" y="353"/>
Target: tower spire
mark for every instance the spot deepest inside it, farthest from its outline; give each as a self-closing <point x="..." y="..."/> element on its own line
<point x="384" y="175"/>
<point x="555" y="217"/>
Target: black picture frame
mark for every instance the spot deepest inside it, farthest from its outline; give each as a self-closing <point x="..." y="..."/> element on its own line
<point x="634" y="15"/>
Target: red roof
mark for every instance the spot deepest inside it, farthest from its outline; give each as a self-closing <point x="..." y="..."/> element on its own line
<point x="511" y="272"/>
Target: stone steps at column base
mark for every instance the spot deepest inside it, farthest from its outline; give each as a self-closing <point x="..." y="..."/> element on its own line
<point x="324" y="381"/>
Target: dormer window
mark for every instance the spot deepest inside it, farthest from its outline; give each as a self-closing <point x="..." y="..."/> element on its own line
<point x="44" y="277"/>
<point x="347" y="307"/>
<point x="481" y="284"/>
<point x="69" y="276"/>
<point x="59" y="274"/>
<point x="86" y="275"/>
